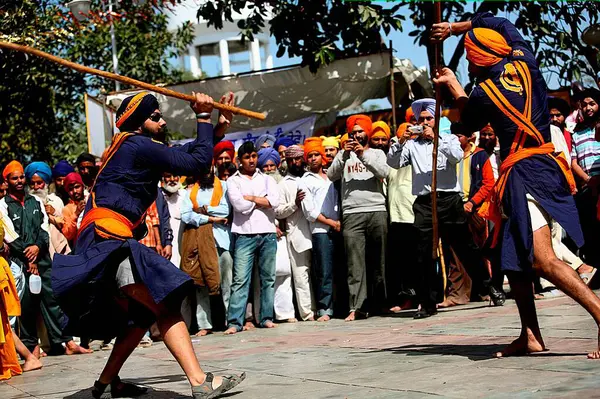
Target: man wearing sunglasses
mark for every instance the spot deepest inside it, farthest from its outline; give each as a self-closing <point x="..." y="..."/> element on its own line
<point x="113" y="286"/>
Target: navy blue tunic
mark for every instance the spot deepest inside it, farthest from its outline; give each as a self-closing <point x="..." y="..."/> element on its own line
<point x="84" y="282"/>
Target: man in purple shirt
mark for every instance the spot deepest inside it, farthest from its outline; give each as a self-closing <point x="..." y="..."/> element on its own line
<point x="253" y="195"/>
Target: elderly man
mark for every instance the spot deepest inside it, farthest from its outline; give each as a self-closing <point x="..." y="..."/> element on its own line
<point x="512" y="96"/>
<point x="265" y="141"/>
<point x="174" y="196"/>
<point x="362" y="170"/>
<point x="224" y="151"/>
<point x="269" y="161"/>
<point x="31" y="252"/>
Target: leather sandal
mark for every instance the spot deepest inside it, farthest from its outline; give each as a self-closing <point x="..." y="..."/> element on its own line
<point x="206" y="390"/>
<point x="118" y="389"/>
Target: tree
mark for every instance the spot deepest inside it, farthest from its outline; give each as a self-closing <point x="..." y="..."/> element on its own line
<point x="41" y="103"/>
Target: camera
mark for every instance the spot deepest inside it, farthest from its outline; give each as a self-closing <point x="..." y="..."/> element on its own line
<point x="418" y="129"/>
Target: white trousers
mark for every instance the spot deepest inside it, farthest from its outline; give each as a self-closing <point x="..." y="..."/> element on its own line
<point x="300" y="263"/>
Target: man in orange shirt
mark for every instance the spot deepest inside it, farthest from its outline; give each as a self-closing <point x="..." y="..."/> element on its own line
<point x="74" y="187"/>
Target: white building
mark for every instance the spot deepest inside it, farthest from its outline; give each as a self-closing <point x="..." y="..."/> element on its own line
<point x="220" y="50"/>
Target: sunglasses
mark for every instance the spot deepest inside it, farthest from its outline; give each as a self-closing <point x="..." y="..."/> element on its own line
<point x="155" y="117"/>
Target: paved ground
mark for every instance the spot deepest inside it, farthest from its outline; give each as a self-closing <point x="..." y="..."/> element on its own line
<point x="385" y="357"/>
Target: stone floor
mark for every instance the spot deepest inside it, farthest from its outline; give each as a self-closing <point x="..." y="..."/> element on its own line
<point x="449" y="355"/>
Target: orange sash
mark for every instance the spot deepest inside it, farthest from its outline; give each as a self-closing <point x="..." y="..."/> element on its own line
<point x="491" y="208"/>
<point x="215" y="199"/>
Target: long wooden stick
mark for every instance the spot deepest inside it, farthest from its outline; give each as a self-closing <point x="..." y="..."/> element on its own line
<point x="437" y="18"/>
<point x="392" y="89"/>
<point x="126" y="80"/>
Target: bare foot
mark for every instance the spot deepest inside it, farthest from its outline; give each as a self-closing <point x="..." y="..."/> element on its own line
<point x="325" y="317"/>
<point x="523" y="345"/>
<point x="203" y="333"/>
<point x="32" y="363"/>
<point x="292" y="320"/>
<point x="585" y="269"/>
<point x="311" y="318"/>
<point x="71" y="348"/>
<point x="231" y="331"/>
<point x="249" y="326"/>
<point x="38" y="353"/>
<point x="269" y="324"/>
<point x="351" y="316"/>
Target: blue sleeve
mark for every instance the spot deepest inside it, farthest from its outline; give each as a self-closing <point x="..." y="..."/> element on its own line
<point x="166" y="233"/>
<point x="221" y="210"/>
<point x="188" y="216"/>
<point x="508" y="31"/>
<point x="474" y="116"/>
<point x="186" y="160"/>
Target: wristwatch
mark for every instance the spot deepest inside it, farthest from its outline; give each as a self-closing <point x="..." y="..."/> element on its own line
<point x="203" y="115"/>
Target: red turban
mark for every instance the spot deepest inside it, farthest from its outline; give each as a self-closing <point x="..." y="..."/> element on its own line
<point x="486" y="47"/>
<point x="224" y="146"/>
<point x="312" y="146"/>
<point x="71" y="179"/>
<point x="361" y="120"/>
<point x="13" y="166"/>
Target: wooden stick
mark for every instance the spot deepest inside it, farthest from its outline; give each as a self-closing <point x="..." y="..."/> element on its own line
<point x="126" y="80"/>
<point x="437" y="18"/>
<point x="392" y="89"/>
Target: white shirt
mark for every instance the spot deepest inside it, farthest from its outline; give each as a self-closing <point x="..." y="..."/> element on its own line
<point x="174" y="202"/>
<point x="298" y="229"/>
<point x="325" y="201"/>
<point x="247" y="218"/>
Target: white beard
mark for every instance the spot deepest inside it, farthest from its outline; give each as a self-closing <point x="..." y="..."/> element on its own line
<point x="40" y="194"/>
<point x="172" y="189"/>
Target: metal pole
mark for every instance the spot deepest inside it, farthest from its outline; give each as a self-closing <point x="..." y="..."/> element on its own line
<point x="392" y="89"/>
<point x="114" y="46"/>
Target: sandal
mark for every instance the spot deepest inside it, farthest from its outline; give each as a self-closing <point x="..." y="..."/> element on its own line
<point x="206" y="390"/>
<point x="118" y="389"/>
<point x="587" y="277"/>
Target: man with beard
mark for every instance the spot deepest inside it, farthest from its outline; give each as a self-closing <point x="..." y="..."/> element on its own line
<point x="331" y="146"/>
<point x="224" y="152"/>
<point x="125" y="287"/>
<point x="586" y="167"/>
<point x="362" y="171"/>
<point x="535" y="187"/>
<point x="325" y="227"/>
<point x="559" y="110"/>
<point x="74" y="186"/>
<point x="268" y="162"/>
<point x="31" y="252"/>
<point x="86" y="166"/>
<point x="59" y="172"/>
<point x="253" y="196"/>
<point x="452" y="218"/>
<point x="174" y="195"/>
<point x="380" y="138"/>
<point x="226" y="170"/>
<point x="295" y="201"/>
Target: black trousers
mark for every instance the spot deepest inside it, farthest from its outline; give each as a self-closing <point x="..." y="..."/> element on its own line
<point x="454" y="231"/>
<point x="586" y="206"/>
<point x="402" y="267"/>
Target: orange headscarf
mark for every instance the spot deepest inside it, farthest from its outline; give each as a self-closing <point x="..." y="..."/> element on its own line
<point x="409" y="115"/>
<point x="380" y="129"/>
<point x="343" y="140"/>
<point x="402" y="129"/>
<point x="13" y="166"/>
<point x="361" y="120"/>
<point x="312" y="146"/>
<point x="486" y="47"/>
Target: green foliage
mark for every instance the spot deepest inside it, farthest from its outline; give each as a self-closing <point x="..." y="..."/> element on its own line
<point x="42" y="115"/>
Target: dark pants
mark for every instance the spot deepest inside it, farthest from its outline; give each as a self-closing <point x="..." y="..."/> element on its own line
<point x="454" y="231"/>
<point x="323" y="251"/>
<point x="365" y="239"/>
<point x="52" y="315"/>
<point x="586" y="206"/>
<point x="401" y="268"/>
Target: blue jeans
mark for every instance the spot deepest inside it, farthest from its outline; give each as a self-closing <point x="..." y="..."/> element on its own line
<point x="322" y="266"/>
<point x="247" y="247"/>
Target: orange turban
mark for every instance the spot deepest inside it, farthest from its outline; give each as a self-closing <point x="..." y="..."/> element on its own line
<point x="409" y="115"/>
<point x="486" y="47"/>
<point x="361" y="120"/>
<point x="343" y="140"/>
<point x="381" y="129"/>
<point x="402" y="129"/>
<point x="13" y="166"/>
<point x="312" y="146"/>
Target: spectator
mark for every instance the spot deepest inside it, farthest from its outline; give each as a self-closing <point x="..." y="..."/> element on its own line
<point x="586" y="167"/>
<point x="223" y="152"/>
<point x="174" y="196"/>
<point x="295" y="201"/>
<point x="451" y="216"/>
<point x="362" y="171"/>
<point x="86" y="166"/>
<point x="380" y="138"/>
<point x="226" y="170"/>
<point x="3" y="187"/>
<point x="164" y="228"/>
<point x="325" y="227"/>
<point x="331" y="145"/>
<point x="269" y="162"/>
<point x="559" y="110"/>
<point x="59" y="172"/>
<point x="253" y="196"/>
<point x="282" y="144"/>
<point x="206" y="244"/>
<point x="30" y="252"/>
<point x="74" y="209"/>
<point x="265" y="141"/>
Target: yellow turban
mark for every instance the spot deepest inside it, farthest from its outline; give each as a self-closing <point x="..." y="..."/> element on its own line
<point x="331" y="141"/>
<point x="344" y="139"/>
<point x="380" y="129"/>
<point x="486" y="47"/>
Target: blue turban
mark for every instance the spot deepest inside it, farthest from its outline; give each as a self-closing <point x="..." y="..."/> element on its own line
<point x="62" y="168"/>
<point x="39" y="168"/>
<point x="265" y="138"/>
<point x="268" y="154"/>
<point x="284" y="141"/>
<point x="424" y="104"/>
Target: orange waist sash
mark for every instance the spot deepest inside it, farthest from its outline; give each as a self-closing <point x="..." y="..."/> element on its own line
<point x="109" y="224"/>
